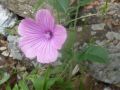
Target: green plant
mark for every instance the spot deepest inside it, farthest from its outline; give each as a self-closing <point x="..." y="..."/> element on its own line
<point x="94" y="53"/>
<point x="91" y="52"/>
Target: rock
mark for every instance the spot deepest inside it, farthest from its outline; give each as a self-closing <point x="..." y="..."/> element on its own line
<point x="7" y="19"/>
<point x="117" y="36"/>
<point x="56" y="63"/>
<point x="79" y="29"/>
<point x="114" y="9"/>
<point x="75" y="70"/>
<point x="101" y="43"/>
<point x="10" y="55"/>
<point x="107" y="88"/>
<point x="21" y="7"/>
<point x="113" y="14"/>
<point x="13" y="47"/>
<point x="98" y="26"/>
<point x="2" y="48"/>
<point x="2" y="62"/>
<point x="109" y="72"/>
<point x="118" y="45"/>
<point x="113" y="35"/>
<point x="5" y="53"/>
<point x="109" y="37"/>
<point x="93" y="33"/>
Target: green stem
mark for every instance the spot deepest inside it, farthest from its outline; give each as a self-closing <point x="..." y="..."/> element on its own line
<point x="67" y="65"/>
<point x="47" y="74"/>
<point x="77" y="10"/>
<point x="58" y="14"/>
<point x="89" y="15"/>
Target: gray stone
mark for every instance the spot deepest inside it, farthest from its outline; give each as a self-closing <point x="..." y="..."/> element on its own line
<point x="7" y="19"/>
<point x="114" y="9"/>
<point x="79" y="29"/>
<point x="3" y="48"/>
<point x="113" y="35"/>
<point x="109" y="72"/>
<point x="5" y="53"/>
<point x="98" y="26"/>
<point x="93" y="33"/>
<point x="117" y="36"/>
<point x="110" y="35"/>
<point x="75" y="70"/>
<point x="13" y="47"/>
<point x="101" y="43"/>
<point x="110" y="39"/>
<point x="21" y="7"/>
<point x="107" y="88"/>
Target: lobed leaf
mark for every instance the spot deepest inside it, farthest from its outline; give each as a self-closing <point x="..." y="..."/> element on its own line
<point x="94" y="53"/>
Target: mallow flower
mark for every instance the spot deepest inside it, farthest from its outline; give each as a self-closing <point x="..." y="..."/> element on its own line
<point x="41" y="37"/>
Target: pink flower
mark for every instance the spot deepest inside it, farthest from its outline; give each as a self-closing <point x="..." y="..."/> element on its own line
<point x="41" y="38"/>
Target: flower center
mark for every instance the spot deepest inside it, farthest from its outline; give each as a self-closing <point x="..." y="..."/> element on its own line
<point x="48" y="34"/>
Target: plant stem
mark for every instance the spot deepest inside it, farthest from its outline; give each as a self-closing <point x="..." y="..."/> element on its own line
<point x="47" y="74"/>
<point x="89" y="15"/>
<point x="77" y="10"/>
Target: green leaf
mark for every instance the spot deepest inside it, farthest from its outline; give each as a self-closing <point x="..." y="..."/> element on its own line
<point x="46" y="78"/>
<point x="16" y="87"/>
<point x="38" y="4"/>
<point x="50" y="83"/>
<point x="38" y="83"/>
<point x="81" y="85"/>
<point x="67" y="51"/>
<point x="84" y="2"/>
<point x="23" y="86"/>
<point x="8" y="87"/>
<point x="94" y="53"/>
<point x="5" y="76"/>
<point x="60" y="5"/>
<point x="57" y="70"/>
<point x="64" y="85"/>
<point x="104" y="7"/>
<point x="71" y="39"/>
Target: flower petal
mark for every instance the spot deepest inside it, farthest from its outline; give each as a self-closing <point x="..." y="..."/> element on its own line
<point x="28" y="27"/>
<point x="45" y="19"/>
<point x="29" y="46"/>
<point x="46" y="53"/>
<point x="60" y="35"/>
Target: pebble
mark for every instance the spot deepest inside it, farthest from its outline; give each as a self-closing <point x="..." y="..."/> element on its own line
<point x="75" y="70"/>
<point x="3" y="48"/>
<point x="101" y="43"/>
<point x="107" y="88"/>
<point x="110" y="35"/>
<point x="98" y="26"/>
<point x="93" y="33"/>
<point x="13" y="47"/>
<point x="5" y="53"/>
<point x="0" y="58"/>
<point x="8" y="19"/>
<point x="118" y="45"/>
<point x="79" y="29"/>
<point x="113" y="35"/>
<point x="10" y="55"/>
<point x="117" y="36"/>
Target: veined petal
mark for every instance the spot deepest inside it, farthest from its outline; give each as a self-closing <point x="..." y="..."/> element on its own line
<point x="46" y="53"/>
<point x="29" y="45"/>
<point x="28" y="27"/>
<point x="60" y="35"/>
<point x="45" y="19"/>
